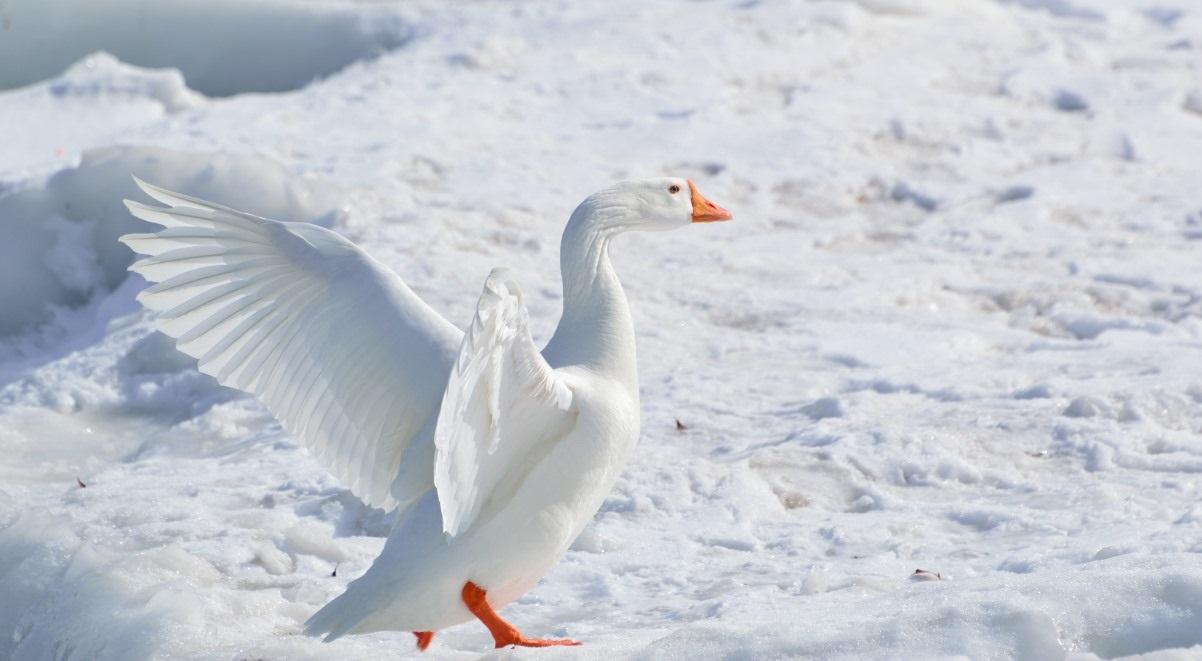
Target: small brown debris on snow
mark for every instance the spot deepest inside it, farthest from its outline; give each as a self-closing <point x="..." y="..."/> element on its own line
<point x="680" y="426"/>
<point x="924" y="575"/>
<point x="80" y="483"/>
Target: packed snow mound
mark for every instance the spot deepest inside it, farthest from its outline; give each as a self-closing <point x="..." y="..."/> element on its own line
<point x="101" y="75"/>
<point x="1005" y="617"/>
<point x="95" y="102"/>
<point x="61" y="244"/>
<point x="223" y="47"/>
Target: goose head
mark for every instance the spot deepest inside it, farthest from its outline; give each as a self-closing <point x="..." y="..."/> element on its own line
<point x="648" y="204"/>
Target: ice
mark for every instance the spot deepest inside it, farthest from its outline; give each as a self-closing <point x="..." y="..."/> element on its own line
<point x="223" y="47"/>
<point x="954" y="326"/>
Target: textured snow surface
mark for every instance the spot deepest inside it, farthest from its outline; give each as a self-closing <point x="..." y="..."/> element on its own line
<point x="222" y="46"/>
<point x="956" y="325"/>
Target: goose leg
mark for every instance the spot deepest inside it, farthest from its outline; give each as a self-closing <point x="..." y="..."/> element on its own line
<point x="503" y="633"/>
<point x="423" y="639"/>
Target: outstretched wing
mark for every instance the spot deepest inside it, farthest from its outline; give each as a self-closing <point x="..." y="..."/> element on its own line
<point x="503" y="407"/>
<point x="344" y="354"/>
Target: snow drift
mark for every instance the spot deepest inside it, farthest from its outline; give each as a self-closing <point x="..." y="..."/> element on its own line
<point x="222" y="47"/>
<point x="61" y="236"/>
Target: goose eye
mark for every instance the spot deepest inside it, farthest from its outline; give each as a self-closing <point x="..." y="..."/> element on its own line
<point x="673" y="189"/>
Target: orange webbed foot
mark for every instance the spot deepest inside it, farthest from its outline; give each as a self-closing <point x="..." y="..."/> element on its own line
<point x="423" y="639"/>
<point x="522" y="641"/>
<point x="503" y="633"/>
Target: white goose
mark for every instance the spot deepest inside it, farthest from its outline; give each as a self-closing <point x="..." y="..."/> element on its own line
<point x="495" y="455"/>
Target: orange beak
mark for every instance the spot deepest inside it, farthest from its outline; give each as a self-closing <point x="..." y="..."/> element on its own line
<point x="705" y="211"/>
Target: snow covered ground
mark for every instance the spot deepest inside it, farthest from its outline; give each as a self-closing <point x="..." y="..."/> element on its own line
<point x="955" y="326"/>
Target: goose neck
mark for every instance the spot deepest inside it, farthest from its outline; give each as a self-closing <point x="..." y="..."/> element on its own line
<point x="596" y="329"/>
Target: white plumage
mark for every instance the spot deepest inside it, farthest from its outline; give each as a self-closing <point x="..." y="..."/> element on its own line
<point x="340" y="350"/>
<point x="506" y="401"/>
<point x="494" y="455"/>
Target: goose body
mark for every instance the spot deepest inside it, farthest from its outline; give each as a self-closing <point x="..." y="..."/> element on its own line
<point x="494" y="455"/>
<point x="416" y="582"/>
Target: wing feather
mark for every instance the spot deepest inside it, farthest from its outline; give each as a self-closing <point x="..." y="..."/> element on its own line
<point x="502" y="405"/>
<point x="340" y="350"/>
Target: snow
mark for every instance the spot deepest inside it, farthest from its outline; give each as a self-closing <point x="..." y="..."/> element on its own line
<point x="222" y="47"/>
<point x="67" y="226"/>
<point x="955" y="325"/>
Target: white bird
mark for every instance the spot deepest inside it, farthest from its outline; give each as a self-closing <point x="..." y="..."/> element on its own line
<point x="494" y="455"/>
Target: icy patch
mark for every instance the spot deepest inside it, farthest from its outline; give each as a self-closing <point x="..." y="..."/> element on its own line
<point x="222" y="48"/>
